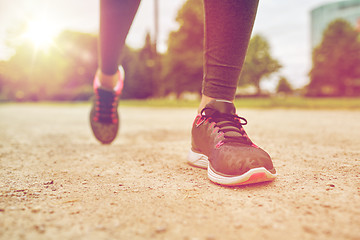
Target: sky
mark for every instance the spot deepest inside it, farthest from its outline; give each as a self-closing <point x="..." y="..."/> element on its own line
<point x="285" y="24"/>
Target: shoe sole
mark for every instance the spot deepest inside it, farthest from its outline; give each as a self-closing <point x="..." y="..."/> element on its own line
<point x="104" y="133"/>
<point x="255" y="175"/>
<point x="198" y="160"/>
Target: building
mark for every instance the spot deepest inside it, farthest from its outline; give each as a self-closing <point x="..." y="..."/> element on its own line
<point x="322" y="15"/>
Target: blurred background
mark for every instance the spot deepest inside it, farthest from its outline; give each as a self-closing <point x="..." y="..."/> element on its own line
<point x="48" y="50"/>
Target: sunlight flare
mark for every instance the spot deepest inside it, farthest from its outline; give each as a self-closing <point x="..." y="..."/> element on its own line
<point x="40" y="33"/>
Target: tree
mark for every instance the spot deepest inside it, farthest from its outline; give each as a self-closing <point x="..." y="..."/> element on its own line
<point x="80" y="52"/>
<point x="259" y="63"/>
<point x="336" y="61"/>
<point x="66" y="71"/>
<point x="182" y="64"/>
<point x="63" y="72"/>
<point x="31" y="75"/>
<point x="139" y="71"/>
<point x="284" y="86"/>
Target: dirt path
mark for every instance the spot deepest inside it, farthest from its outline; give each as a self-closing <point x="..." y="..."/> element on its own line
<point x="57" y="182"/>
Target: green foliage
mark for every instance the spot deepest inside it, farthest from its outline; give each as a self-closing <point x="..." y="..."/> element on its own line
<point x="66" y="71"/>
<point x="182" y="64"/>
<point x="139" y="68"/>
<point x="284" y="86"/>
<point x="336" y="62"/>
<point x="80" y="52"/>
<point x="291" y="102"/>
<point x="62" y="72"/>
<point x="259" y="63"/>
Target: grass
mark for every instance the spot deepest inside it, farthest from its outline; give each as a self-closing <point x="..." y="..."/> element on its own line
<point x="171" y="103"/>
<point x="301" y="102"/>
<point x="259" y="103"/>
<point x="264" y="103"/>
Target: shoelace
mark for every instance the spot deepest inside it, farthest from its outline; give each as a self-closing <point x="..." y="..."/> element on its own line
<point x="229" y="124"/>
<point x="105" y="106"/>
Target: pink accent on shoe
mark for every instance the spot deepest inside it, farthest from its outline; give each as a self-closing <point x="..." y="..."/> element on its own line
<point x="219" y="144"/>
<point x="216" y="129"/>
<point x="254" y="145"/>
<point x="120" y="84"/>
<point x="199" y="120"/>
<point x="220" y="134"/>
<point x="256" y="178"/>
<point x="96" y="83"/>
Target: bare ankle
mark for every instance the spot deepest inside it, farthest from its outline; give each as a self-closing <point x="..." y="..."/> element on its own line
<point x="107" y="81"/>
<point x="204" y="101"/>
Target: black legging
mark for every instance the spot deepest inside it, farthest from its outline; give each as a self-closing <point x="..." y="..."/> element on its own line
<point x="228" y="26"/>
<point x="116" y="17"/>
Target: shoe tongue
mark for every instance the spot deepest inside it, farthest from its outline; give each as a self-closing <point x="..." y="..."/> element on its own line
<point x="106" y="89"/>
<point x="106" y="96"/>
<point x="222" y="106"/>
<point x="225" y="107"/>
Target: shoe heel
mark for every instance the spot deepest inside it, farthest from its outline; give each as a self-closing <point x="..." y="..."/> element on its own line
<point x="198" y="159"/>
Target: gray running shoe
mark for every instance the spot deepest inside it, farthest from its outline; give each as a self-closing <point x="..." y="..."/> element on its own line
<point x="104" y="117"/>
<point x="220" y="144"/>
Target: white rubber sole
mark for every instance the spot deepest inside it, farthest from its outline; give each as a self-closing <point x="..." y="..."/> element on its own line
<point x="255" y="175"/>
<point x="198" y="159"/>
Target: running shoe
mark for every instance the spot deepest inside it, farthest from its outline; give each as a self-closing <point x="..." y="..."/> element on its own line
<point x="104" y="117"/>
<point x="220" y="144"/>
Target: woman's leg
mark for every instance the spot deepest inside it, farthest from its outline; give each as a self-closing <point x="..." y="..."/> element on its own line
<point x="228" y="27"/>
<point x="219" y="141"/>
<point x="116" y="17"/>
